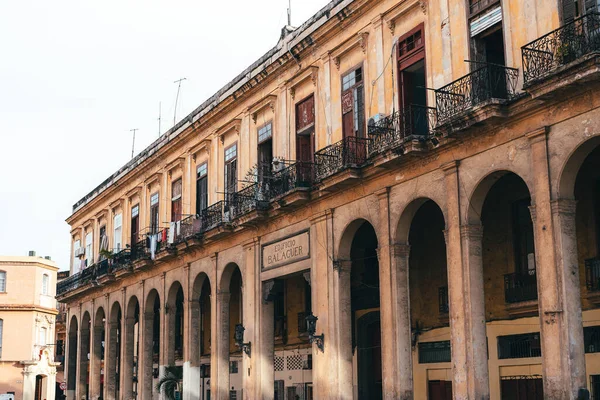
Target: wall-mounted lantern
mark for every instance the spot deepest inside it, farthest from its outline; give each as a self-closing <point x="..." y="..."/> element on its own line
<point x="238" y="336"/>
<point x="311" y="327"/>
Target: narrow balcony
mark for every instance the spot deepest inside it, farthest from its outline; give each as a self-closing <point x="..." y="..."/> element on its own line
<point x="189" y="233"/>
<point x="216" y="220"/>
<point x="404" y="132"/>
<point x="520" y="293"/>
<point x="476" y="97"/>
<point x="347" y="156"/>
<point x="248" y="205"/>
<point x="562" y="57"/>
<point x="291" y="186"/>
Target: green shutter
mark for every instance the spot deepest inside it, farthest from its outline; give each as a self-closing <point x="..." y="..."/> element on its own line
<point x="568" y="11"/>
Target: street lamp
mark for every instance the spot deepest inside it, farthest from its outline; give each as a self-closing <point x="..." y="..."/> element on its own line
<point x="311" y="327"/>
<point x="238" y="336"/>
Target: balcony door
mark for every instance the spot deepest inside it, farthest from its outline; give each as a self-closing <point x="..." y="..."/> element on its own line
<point x="353" y="104"/>
<point x="305" y="129"/>
<point x="202" y="188"/>
<point x="135" y="224"/>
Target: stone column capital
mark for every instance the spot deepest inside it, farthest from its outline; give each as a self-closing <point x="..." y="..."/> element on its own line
<point x="471" y="231"/>
<point x="342" y="265"/>
<point x="400" y="250"/>
<point x="564" y="206"/>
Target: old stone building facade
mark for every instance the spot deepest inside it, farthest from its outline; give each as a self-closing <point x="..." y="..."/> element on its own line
<point x="439" y="217"/>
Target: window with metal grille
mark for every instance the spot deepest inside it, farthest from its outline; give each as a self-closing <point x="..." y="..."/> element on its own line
<point x="519" y="346"/>
<point x="434" y="352"/>
<point x="591" y="339"/>
<point x="233" y="367"/>
<point x="2" y="281"/>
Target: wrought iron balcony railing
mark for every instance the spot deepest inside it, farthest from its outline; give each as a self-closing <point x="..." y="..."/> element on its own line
<point x="297" y="175"/>
<point x="490" y="81"/>
<point x="414" y="122"/>
<point x="444" y="305"/>
<point x="253" y="197"/>
<point x="520" y="287"/>
<point x="592" y="274"/>
<point x="347" y="153"/>
<point x="561" y="47"/>
<point x="189" y="227"/>
<point x="215" y="215"/>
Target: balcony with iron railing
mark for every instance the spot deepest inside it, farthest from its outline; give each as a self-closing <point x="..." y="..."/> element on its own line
<point x="462" y="103"/>
<point x="557" y="51"/>
<point x="348" y="154"/>
<point x="520" y="287"/>
<point x="396" y="132"/>
<point x="291" y="185"/>
<point x="252" y="198"/>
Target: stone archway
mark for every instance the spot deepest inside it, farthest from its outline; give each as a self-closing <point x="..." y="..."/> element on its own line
<point x="72" y="358"/>
<point x="113" y="353"/>
<point x="97" y="354"/>
<point x="84" y="354"/>
<point x="358" y="267"/>
<point x="151" y="345"/>
<point x="200" y="338"/>
<point x="131" y="349"/>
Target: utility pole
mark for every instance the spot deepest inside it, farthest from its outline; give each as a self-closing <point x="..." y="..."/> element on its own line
<point x="133" y="145"/>
<point x="177" y="98"/>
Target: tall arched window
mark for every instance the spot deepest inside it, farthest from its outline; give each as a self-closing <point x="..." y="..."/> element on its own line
<point x="2" y="281"/>
<point x="45" y="284"/>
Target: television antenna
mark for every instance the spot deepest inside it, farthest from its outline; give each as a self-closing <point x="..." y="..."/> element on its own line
<point x="178" y="82"/>
<point x="133" y="144"/>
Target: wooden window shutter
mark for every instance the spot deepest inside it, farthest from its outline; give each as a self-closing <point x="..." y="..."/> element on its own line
<point x="568" y="10"/>
<point x="305" y="114"/>
<point x="347" y="114"/>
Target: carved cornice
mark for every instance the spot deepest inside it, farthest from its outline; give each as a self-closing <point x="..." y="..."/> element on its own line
<point x="311" y="73"/>
<point x="268" y="101"/>
<point x="401" y="9"/>
<point x="360" y="39"/>
<point x="203" y="146"/>
<point x="233" y="125"/>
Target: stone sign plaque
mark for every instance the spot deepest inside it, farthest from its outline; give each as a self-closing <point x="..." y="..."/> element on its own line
<point x="285" y="251"/>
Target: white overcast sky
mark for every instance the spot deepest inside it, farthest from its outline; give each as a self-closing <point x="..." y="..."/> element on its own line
<point x="76" y="76"/>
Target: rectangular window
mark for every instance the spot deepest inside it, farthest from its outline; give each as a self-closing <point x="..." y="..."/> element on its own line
<point x="265" y="133"/>
<point x="176" y="210"/>
<point x="2" y="282"/>
<point x="202" y="188"/>
<point x="233" y="367"/>
<point x="135" y="224"/>
<point x="434" y="352"/>
<point x="118" y="232"/>
<point x="231" y="169"/>
<point x="353" y="104"/>
<point x="591" y="339"/>
<point x="76" y="252"/>
<point x="154" y="212"/>
<point x="519" y="346"/>
<point x="45" y="284"/>
<point x="42" y="336"/>
<point x="265" y="151"/>
<point x="89" y="245"/>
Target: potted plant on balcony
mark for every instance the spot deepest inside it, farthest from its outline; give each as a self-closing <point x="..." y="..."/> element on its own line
<point x="565" y="53"/>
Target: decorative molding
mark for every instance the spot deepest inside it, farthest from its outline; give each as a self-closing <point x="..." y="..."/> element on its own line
<point x="311" y="73"/>
<point x="179" y="162"/>
<point x="401" y="9"/>
<point x="268" y="101"/>
<point x="204" y="145"/>
<point x="132" y="192"/>
<point x="358" y="40"/>
<point x="233" y="125"/>
<point x="116" y="204"/>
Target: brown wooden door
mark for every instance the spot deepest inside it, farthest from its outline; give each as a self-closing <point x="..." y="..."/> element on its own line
<point x="135" y="229"/>
<point x="305" y="130"/>
<point x="440" y="390"/>
<point x="522" y="388"/>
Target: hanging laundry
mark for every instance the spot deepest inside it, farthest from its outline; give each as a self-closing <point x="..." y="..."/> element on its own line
<point x="153" y="242"/>
<point x="171" y="233"/>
